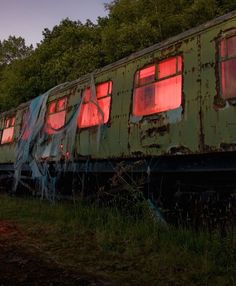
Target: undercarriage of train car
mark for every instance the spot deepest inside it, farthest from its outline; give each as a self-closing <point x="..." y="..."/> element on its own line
<point x="190" y="191"/>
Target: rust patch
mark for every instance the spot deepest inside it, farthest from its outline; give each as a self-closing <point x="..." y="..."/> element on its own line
<point x="138" y="154"/>
<point x="179" y="150"/>
<point x="228" y="146"/>
<point x="208" y="148"/>
<point x="156" y="130"/>
<point x="208" y="65"/>
<point x="232" y="101"/>
<point x="201" y="133"/>
<point x="154" y="146"/>
<point x="219" y="102"/>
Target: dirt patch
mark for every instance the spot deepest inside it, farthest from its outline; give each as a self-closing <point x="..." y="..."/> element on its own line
<point x="21" y="265"/>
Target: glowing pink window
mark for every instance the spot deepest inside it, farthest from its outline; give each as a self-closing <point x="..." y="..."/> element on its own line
<point x="96" y="111"/>
<point x="25" y="129"/>
<point x="104" y="109"/>
<point x="146" y="75"/>
<point x="162" y="95"/>
<point x="89" y="115"/>
<point x="61" y="104"/>
<point x="168" y="93"/>
<point x="169" y="67"/>
<point x="103" y="89"/>
<point x="56" y="115"/>
<point x="228" y="47"/>
<point x="13" y="120"/>
<point x="223" y="48"/>
<point x="7" y="135"/>
<point x="8" y="131"/>
<point x="52" y="107"/>
<point x="8" y="122"/>
<point x="87" y="95"/>
<point x="228" y="67"/>
<point x="231" y="46"/>
<point x="56" y="120"/>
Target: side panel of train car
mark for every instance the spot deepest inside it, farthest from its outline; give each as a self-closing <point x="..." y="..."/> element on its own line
<point x="200" y="124"/>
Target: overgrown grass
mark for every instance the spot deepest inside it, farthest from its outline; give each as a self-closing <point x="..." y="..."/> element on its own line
<point x="123" y="249"/>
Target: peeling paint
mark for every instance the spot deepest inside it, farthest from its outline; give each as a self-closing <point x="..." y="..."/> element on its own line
<point x="161" y="130"/>
<point x="135" y="119"/>
<point x="228" y="146"/>
<point x="179" y="150"/>
<point x="174" y="116"/>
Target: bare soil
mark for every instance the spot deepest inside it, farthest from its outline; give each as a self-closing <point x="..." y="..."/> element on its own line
<point x="25" y="265"/>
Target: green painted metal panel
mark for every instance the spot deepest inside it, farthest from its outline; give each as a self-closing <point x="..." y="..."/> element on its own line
<point x="218" y="116"/>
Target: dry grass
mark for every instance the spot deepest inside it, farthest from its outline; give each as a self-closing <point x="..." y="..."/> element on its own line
<point x="124" y="250"/>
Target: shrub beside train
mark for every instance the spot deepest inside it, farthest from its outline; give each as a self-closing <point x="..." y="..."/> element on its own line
<point x="168" y="112"/>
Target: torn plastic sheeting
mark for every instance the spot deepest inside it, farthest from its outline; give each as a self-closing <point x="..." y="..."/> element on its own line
<point x="156" y="212"/>
<point x="38" y="144"/>
<point x="50" y="147"/>
<point x="32" y="125"/>
<point x="66" y="135"/>
<point x="29" y="138"/>
<point x="99" y="110"/>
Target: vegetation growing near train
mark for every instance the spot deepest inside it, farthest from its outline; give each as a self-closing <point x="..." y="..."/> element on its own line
<point x="72" y="49"/>
<point x="121" y="249"/>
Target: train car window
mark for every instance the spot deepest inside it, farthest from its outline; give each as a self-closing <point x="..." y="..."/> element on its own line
<point x="8" y="130"/>
<point x="146" y="75"/>
<point x="95" y="111"/>
<point x="158" y="88"/>
<point x="228" y="67"/>
<point x="56" y="114"/>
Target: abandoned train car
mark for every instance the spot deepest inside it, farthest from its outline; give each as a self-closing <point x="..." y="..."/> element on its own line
<point x="170" y="107"/>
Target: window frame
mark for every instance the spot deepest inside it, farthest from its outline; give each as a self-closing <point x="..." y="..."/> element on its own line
<point x="85" y="101"/>
<point x="222" y="59"/>
<point x="12" y="122"/>
<point x="179" y="71"/>
<point x="49" y="128"/>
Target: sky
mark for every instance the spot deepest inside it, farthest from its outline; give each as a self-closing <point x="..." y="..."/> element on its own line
<point x="28" y="18"/>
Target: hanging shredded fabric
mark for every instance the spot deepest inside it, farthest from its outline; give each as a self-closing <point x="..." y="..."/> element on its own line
<point x="43" y="153"/>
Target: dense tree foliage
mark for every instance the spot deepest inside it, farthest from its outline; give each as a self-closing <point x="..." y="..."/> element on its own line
<point x="12" y="49"/>
<point x="72" y="49"/>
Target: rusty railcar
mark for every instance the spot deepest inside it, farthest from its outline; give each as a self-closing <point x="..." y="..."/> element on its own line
<point x="170" y="107"/>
